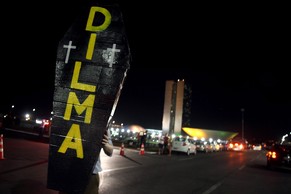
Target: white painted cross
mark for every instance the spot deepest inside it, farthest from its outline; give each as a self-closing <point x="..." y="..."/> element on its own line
<point x="69" y="47"/>
<point x="112" y="52"/>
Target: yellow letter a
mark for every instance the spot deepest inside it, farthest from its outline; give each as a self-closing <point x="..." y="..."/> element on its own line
<point x="73" y="141"/>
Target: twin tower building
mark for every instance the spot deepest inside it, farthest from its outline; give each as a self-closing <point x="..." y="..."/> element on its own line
<point x="177" y="107"/>
<point x="177" y="114"/>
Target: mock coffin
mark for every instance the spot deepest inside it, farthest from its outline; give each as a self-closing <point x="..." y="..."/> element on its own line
<point x="93" y="58"/>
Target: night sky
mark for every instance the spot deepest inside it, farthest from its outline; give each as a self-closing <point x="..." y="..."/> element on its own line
<point x="233" y="55"/>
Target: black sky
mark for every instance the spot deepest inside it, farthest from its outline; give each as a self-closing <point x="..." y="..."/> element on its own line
<point x="233" y="55"/>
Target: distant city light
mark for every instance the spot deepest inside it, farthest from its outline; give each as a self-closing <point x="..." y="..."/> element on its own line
<point x="27" y="117"/>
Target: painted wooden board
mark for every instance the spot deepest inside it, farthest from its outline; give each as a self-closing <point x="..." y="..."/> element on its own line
<point x="93" y="58"/>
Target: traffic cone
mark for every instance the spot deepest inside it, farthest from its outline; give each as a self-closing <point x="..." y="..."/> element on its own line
<point x="1" y="147"/>
<point x="122" y="150"/>
<point x="141" y="152"/>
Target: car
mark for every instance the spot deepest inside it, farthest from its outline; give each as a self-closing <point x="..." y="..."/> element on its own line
<point x="217" y="147"/>
<point x="236" y="145"/>
<point x="184" y="145"/>
<point x="42" y="125"/>
<point x="203" y="146"/>
<point x="257" y="147"/>
<point x="279" y="156"/>
<point x="130" y="141"/>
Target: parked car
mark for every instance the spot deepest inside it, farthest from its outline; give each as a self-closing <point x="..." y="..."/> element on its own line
<point x="257" y="147"/>
<point x="203" y="146"/>
<point x="130" y="142"/>
<point x="184" y="144"/>
<point x="217" y="147"/>
<point x="42" y="125"/>
<point x="279" y="156"/>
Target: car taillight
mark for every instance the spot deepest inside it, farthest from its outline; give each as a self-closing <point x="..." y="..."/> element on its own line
<point x="45" y="122"/>
<point x="271" y="154"/>
<point x="184" y="144"/>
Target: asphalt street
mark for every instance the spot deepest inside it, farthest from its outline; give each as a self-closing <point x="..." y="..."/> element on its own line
<point x="23" y="167"/>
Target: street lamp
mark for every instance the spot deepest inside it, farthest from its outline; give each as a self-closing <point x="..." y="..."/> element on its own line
<point x="242" y="122"/>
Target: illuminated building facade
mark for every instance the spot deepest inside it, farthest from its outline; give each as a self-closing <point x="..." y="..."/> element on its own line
<point x="177" y="107"/>
<point x="177" y="114"/>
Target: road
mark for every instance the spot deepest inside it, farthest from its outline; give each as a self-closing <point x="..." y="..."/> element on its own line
<point x="24" y="170"/>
